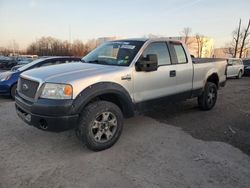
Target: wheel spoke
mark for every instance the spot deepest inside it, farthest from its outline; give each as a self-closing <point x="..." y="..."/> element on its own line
<point x="95" y="125"/>
<point x="105" y="116"/>
<point x="113" y="122"/>
<point x="108" y="134"/>
<point x="98" y="136"/>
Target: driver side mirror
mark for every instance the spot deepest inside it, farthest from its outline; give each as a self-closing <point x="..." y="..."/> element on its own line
<point x="150" y="63"/>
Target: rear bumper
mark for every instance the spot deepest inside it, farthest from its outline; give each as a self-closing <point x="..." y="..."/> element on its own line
<point x="47" y="115"/>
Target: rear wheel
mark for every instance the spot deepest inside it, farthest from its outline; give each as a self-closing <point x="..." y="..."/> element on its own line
<point x="13" y="91"/>
<point x="208" y="98"/>
<point x="239" y="75"/>
<point x="100" y="125"/>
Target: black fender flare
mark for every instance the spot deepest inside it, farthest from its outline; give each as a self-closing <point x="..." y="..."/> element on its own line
<point x="118" y="93"/>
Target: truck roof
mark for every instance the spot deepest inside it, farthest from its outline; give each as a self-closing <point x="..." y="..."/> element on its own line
<point x="149" y="39"/>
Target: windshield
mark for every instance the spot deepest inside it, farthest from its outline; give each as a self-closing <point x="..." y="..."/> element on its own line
<point x="119" y="53"/>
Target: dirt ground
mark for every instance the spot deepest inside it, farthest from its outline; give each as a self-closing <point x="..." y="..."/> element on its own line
<point x="177" y="146"/>
<point x="228" y="122"/>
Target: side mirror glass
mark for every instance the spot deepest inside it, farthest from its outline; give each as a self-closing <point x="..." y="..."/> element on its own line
<point x="150" y="63"/>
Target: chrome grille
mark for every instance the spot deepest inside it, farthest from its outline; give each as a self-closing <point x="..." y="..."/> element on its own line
<point x="27" y="87"/>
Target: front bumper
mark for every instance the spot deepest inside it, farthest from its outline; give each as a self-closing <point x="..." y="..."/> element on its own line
<point x="45" y="114"/>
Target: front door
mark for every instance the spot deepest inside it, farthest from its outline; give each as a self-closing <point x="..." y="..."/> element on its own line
<point x="159" y="83"/>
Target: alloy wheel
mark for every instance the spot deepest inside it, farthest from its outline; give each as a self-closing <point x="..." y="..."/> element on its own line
<point x="104" y="127"/>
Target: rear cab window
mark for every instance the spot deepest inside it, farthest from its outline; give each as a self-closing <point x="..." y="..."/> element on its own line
<point x="180" y="53"/>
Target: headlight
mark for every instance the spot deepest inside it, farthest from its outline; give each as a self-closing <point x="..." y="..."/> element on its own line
<point x="4" y="77"/>
<point x="57" y="91"/>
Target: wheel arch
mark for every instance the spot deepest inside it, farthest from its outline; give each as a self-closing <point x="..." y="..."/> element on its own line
<point x="214" y="78"/>
<point x="108" y="91"/>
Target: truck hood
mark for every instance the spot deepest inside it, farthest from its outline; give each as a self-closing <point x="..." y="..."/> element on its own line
<point x="66" y="73"/>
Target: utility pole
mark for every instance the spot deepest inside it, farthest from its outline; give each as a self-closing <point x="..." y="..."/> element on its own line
<point x="244" y="39"/>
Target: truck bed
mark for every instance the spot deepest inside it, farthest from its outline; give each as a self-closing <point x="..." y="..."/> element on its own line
<point x="207" y="60"/>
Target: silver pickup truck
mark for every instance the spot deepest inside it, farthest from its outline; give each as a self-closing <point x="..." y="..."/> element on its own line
<point x="94" y="95"/>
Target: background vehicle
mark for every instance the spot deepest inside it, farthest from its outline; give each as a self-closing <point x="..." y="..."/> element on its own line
<point x="235" y="68"/>
<point x="113" y="80"/>
<point x="246" y="63"/>
<point x="21" y="63"/>
<point x="8" y="80"/>
<point x="7" y="63"/>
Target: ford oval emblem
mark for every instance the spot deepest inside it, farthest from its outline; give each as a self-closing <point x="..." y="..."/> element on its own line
<point x="25" y="87"/>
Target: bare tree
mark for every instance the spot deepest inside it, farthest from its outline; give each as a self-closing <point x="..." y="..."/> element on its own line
<point x="229" y="50"/>
<point x="246" y="34"/>
<point x="240" y="41"/>
<point x="202" y="43"/>
<point x="186" y="32"/>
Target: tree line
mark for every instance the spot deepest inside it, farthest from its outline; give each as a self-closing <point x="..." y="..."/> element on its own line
<point x="49" y="46"/>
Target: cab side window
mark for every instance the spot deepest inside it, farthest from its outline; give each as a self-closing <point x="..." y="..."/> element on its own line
<point x="180" y="53"/>
<point x="160" y="49"/>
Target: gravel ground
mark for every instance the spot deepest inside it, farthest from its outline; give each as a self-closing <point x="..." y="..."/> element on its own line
<point x="149" y="153"/>
<point x="228" y="122"/>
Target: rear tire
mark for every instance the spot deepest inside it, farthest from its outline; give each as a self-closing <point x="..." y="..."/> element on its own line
<point x="239" y="75"/>
<point x="13" y="91"/>
<point x="100" y="125"/>
<point x="208" y="98"/>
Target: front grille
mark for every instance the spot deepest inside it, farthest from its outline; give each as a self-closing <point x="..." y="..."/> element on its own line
<point x="27" y="87"/>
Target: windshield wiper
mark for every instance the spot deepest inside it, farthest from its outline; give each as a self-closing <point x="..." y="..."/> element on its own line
<point x="94" y="61"/>
<point x="97" y="62"/>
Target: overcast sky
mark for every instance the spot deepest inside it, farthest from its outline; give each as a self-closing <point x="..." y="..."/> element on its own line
<point x="26" y="20"/>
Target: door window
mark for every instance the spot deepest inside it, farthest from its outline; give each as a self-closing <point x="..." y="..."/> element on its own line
<point x="160" y="49"/>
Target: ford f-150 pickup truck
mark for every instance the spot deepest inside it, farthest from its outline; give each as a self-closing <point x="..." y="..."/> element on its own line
<point x="94" y="95"/>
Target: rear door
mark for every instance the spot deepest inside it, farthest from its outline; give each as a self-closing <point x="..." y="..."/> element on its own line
<point x="155" y="84"/>
<point x="183" y="68"/>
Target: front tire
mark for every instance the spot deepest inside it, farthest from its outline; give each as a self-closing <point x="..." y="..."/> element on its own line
<point x="13" y="91"/>
<point x="100" y="125"/>
<point x="208" y="98"/>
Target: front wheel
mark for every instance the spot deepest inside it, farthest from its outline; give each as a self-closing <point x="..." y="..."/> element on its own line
<point x="100" y="125"/>
<point x="208" y="98"/>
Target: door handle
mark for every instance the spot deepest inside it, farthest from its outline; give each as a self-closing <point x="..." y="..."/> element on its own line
<point x="126" y="77"/>
<point x="172" y="73"/>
